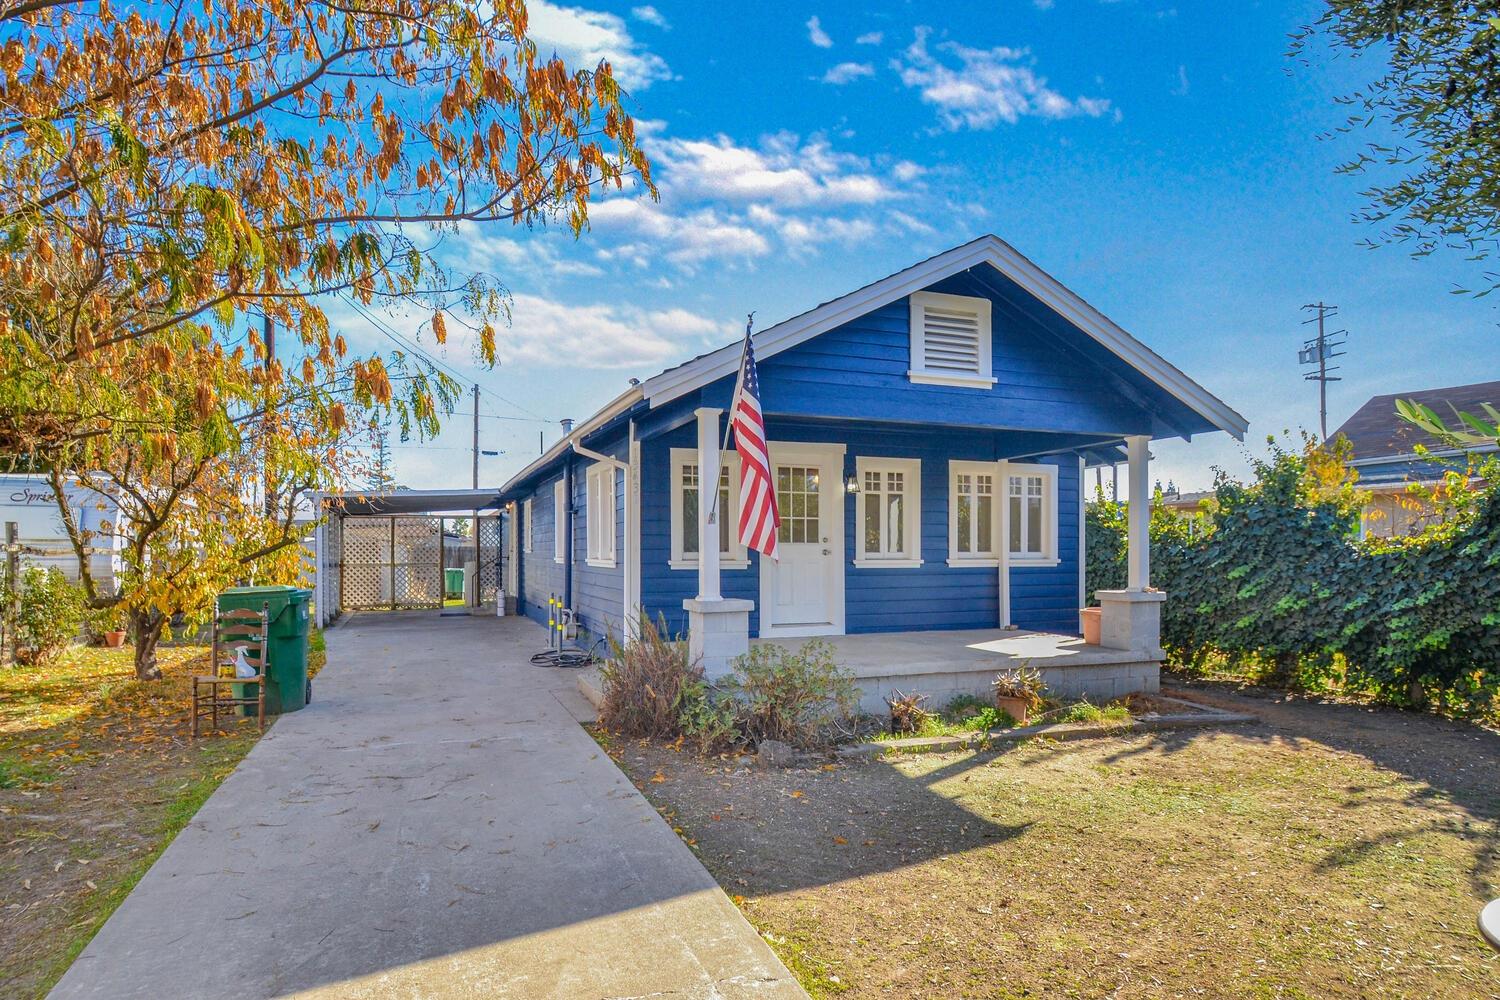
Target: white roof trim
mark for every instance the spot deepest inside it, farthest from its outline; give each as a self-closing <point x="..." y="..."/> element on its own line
<point x="1000" y="255"/>
<point x="617" y="406"/>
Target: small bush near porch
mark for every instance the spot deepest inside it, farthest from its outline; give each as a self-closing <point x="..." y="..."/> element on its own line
<point x="1330" y="851"/>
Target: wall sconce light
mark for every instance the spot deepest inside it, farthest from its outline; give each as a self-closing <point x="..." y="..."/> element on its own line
<point x="851" y="484"/>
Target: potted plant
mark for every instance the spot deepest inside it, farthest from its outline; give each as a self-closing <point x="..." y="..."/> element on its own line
<point x="109" y="623"/>
<point x="1092" y="618"/>
<point x="1018" y="692"/>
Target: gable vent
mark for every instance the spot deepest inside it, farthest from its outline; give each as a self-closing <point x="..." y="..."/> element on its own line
<point x="950" y="339"/>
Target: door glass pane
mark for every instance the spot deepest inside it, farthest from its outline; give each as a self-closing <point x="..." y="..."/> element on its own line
<point x="797" y="498"/>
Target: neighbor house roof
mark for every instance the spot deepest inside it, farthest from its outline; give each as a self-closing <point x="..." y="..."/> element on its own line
<point x="1376" y="433"/>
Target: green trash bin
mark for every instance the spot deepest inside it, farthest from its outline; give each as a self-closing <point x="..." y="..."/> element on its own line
<point x="453" y="583"/>
<point x="286" y="668"/>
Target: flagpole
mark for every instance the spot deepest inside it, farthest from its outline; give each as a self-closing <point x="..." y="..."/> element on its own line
<point x="739" y="382"/>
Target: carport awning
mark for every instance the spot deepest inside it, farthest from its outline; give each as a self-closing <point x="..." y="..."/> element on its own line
<point x="413" y="501"/>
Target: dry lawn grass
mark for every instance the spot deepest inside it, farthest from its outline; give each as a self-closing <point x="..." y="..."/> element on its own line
<point x="1331" y="851"/>
<point x="97" y="775"/>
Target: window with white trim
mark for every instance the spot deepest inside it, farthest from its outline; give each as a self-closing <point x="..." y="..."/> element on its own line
<point x="1031" y="496"/>
<point x="526" y="526"/>
<point x="973" y="514"/>
<point x="889" y="515"/>
<point x="685" y="499"/>
<point x="559" y="519"/>
<point x="950" y="340"/>
<point x="600" y="516"/>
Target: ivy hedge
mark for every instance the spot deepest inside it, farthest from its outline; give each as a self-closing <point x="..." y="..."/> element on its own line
<point x="1273" y="573"/>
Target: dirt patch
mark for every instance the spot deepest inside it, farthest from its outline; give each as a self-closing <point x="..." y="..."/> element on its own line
<point x="97" y="774"/>
<point x="1328" y="851"/>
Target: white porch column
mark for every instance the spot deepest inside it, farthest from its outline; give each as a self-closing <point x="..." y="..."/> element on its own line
<point x="1131" y="618"/>
<point x="718" y="629"/>
<point x="1137" y="447"/>
<point x="708" y="492"/>
<point x="1002" y="544"/>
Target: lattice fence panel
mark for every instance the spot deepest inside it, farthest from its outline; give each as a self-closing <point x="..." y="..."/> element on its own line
<point x="417" y="559"/>
<point x="332" y="570"/>
<point x="489" y="559"/>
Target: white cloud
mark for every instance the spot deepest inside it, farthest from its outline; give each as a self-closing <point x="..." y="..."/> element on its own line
<point x="870" y="38"/>
<point x="783" y="172"/>
<point x="487" y="248"/>
<point x="583" y="37"/>
<point x="980" y="88"/>
<point x="906" y="171"/>
<point x="548" y="333"/>
<point x="688" y="239"/>
<point x="847" y="71"/>
<point x="1181" y="90"/>
<point x="650" y="15"/>
<point x="817" y="35"/>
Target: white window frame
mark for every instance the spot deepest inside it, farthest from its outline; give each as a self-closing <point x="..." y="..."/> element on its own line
<point x="526" y="526"/>
<point x="910" y="557"/>
<point x="997" y="495"/>
<point x="599" y="521"/>
<point x="735" y="557"/>
<point x="559" y="519"/>
<point x="1048" y="473"/>
<point x="919" y="372"/>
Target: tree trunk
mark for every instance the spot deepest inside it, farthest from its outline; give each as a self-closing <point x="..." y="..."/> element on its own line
<point x="147" y="626"/>
<point x="1284" y="673"/>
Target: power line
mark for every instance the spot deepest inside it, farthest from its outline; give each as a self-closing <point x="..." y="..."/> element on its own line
<point x="382" y="327"/>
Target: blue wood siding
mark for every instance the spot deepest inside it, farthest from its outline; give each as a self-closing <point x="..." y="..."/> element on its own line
<point x="860" y="370"/>
<point x="597" y="591"/>
<point x="931" y="596"/>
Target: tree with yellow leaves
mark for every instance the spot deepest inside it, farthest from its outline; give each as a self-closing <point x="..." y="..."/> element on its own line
<point x="175" y="178"/>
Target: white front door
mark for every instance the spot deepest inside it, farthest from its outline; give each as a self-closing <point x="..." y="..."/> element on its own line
<point x="802" y="593"/>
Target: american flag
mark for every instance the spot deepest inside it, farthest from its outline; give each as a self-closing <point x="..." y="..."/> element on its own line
<point x="759" y="518"/>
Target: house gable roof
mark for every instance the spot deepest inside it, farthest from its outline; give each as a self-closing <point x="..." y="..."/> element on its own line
<point x="1376" y="432"/>
<point x="991" y="250"/>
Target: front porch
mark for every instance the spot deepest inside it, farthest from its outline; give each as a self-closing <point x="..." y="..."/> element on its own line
<point x="942" y="665"/>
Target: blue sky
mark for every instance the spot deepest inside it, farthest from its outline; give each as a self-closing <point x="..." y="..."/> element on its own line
<point x="1162" y="161"/>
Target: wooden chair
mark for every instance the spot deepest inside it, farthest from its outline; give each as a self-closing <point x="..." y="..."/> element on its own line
<point x="237" y="630"/>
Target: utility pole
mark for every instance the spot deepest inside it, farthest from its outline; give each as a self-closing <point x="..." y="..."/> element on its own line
<point x="476" y="435"/>
<point x="1319" y="351"/>
<point x="270" y="339"/>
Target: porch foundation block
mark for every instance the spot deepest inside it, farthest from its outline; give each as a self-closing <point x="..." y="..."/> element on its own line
<point x="718" y="632"/>
<point x="1131" y="620"/>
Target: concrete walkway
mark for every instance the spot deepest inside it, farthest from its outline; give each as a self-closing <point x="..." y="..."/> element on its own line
<point x="434" y="825"/>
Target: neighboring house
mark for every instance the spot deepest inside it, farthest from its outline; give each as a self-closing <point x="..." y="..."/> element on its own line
<point x="1384" y="453"/>
<point x="29" y="502"/>
<point x="929" y="434"/>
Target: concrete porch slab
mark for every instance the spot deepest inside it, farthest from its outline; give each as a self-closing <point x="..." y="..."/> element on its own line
<point x="945" y="664"/>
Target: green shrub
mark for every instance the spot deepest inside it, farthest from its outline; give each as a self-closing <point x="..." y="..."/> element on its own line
<point x="1273" y="579"/>
<point x="801" y="698"/>
<point x="708" y="717"/>
<point x="49" y="614"/>
<point x="1085" y="712"/>
<point x="988" y="718"/>
<point x="646" y="681"/>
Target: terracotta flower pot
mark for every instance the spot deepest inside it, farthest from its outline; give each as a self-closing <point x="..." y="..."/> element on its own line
<point x="1091" y="622"/>
<point x="115" y="639"/>
<point x="1016" y="708"/>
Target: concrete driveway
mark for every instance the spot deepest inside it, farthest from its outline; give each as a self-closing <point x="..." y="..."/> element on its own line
<point x="436" y="824"/>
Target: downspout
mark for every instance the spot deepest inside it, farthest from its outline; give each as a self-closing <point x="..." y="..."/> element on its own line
<point x="567" y="426"/>
<point x="613" y="463"/>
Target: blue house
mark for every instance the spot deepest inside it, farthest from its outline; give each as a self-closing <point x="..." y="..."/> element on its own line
<point x="929" y="434"/>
